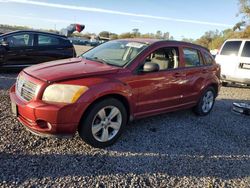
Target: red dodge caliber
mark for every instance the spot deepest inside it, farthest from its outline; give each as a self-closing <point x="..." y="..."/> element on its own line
<point x="97" y="93"/>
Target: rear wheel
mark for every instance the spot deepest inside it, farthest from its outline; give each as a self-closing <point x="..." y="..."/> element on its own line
<point x="206" y="102"/>
<point x="104" y="122"/>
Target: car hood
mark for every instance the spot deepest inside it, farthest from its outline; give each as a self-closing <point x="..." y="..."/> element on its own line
<point x="69" y="69"/>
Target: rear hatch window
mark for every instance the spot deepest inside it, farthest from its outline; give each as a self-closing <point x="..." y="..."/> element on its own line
<point x="231" y="48"/>
<point x="246" y="50"/>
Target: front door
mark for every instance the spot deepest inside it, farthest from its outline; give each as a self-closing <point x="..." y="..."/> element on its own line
<point x="160" y="91"/>
<point x="18" y="49"/>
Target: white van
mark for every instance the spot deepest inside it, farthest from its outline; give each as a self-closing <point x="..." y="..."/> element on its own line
<point x="234" y="58"/>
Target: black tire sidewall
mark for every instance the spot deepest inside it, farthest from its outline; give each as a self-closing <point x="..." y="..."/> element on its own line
<point x="85" y="128"/>
<point x="224" y="84"/>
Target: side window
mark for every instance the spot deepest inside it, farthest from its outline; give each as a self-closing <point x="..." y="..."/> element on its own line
<point x="231" y="48"/>
<point x="65" y="42"/>
<point x="20" y="40"/>
<point x="246" y="50"/>
<point x="192" y="57"/>
<point x="166" y="58"/>
<point x="44" y="40"/>
<point x="208" y="59"/>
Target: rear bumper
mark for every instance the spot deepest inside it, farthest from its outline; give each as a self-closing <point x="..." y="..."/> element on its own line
<point x="62" y="120"/>
<point x="235" y="79"/>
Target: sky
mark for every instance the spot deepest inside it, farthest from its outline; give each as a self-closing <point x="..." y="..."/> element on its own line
<point x="189" y="19"/>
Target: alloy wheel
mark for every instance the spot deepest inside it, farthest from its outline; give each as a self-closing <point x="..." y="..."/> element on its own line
<point x="207" y="101"/>
<point x="106" y="123"/>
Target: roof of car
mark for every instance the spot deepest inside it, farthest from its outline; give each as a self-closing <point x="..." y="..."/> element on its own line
<point x="243" y="39"/>
<point x="152" y="41"/>
<point x="33" y="31"/>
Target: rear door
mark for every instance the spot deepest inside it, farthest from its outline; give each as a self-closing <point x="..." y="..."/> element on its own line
<point x="51" y="48"/>
<point x="195" y="73"/>
<point x="243" y="70"/>
<point x="228" y="57"/>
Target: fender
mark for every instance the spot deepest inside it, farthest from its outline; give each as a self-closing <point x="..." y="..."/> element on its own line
<point x="108" y="87"/>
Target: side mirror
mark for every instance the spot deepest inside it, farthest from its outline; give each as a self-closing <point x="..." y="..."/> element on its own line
<point x="4" y="44"/>
<point x="150" y="67"/>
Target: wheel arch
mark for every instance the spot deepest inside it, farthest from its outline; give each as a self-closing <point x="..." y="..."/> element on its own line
<point x="215" y="87"/>
<point x="117" y="96"/>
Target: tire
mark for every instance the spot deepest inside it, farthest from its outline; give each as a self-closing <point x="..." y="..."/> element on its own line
<point x="224" y="84"/>
<point x="206" y="102"/>
<point x="98" y="128"/>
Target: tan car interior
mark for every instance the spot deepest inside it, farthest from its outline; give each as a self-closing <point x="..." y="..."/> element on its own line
<point x="166" y="58"/>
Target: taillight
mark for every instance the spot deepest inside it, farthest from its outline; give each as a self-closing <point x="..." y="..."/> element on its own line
<point x="244" y="66"/>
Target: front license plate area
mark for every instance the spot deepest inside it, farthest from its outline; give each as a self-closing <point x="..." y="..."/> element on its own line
<point x="14" y="108"/>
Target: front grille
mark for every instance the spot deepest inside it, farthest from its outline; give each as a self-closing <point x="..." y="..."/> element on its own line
<point x="25" y="88"/>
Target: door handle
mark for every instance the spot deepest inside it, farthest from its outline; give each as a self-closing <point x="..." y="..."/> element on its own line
<point x="204" y="71"/>
<point x="178" y="74"/>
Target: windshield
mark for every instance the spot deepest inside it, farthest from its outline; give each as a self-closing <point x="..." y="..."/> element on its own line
<point x="116" y="53"/>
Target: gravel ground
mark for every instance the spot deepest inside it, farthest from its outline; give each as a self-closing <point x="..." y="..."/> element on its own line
<point x="173" y="150"/>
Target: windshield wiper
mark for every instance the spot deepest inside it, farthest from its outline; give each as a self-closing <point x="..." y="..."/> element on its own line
<point x="97" y="60"/>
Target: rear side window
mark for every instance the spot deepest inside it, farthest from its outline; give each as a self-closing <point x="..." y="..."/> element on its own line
<point x="246" y="50"/>
<point x="208" y="59"/>
<point x="192" y="57"/>
<point x="231" y="48"/>
<point x="44" y="40"/>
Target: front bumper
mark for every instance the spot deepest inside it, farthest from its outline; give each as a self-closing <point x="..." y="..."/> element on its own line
<point x="62" y="119"/>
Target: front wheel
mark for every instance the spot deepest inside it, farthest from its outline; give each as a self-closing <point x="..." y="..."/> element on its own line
<point x="206" y="102"/>
<point x="103" y="123"/>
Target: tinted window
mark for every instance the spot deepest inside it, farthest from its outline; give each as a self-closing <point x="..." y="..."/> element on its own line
<point x="192" y="57"/>
<point x="208" y="59"/>
<point x="20" y="40"/>
<point x="246" y="50"/>
<point x="65" y="42"/>
<point x="166" y="58"/>
<point x="231" y="48"/>
<point x="44" y="40"/>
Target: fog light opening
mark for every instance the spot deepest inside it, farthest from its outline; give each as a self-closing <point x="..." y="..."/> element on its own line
<point x="43" y="124"/>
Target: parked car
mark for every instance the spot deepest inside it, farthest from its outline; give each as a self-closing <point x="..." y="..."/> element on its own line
<point x="234" y="58"/>
<point x="25" y="48"/>
<point x="79" y="41"/>
<point x="99" y="92"/>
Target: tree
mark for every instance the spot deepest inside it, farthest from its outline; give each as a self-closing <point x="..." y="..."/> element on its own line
<point x="239" y="26"/>
<point x="166" y="35"/>
<point x="113" y="36"/>
<point x="147" y="35"/>
<point x="104" y="34"/>
<point x="245" y="8"/>
<point x="158" y="34"/>
<point x="126" y="35"/>
<point x="188" y="40"/>
<point x="136" y="32"/>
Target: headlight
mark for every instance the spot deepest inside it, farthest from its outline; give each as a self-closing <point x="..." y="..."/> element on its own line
<point x="63" y="93"/>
